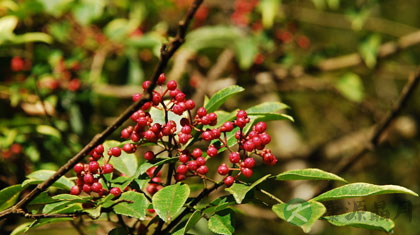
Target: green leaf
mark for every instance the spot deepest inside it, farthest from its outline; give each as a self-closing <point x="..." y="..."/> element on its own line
<point x="194" y="218"/>
<point x="246" y="49"/>
<point x="145" y="166"/>
<point x="126" y="163"/>
<point x="218" y="204"/>
<point x="168" y="201"/>
<point x="308" y="174"/>
<point x="212" y="37"/>
<point x="48" y="130"/>
<point x="361" y="190"/>
<point x="9" y="196"/>
<point x="94" y="213"/>
<point x="42" y="198"/>
<point x="269" y="9"/>
<point x="273" y="117"/>
<point x="62" y="207"/>
<point x="135" y="209"/>
<point x="69" y="197"/>
<point x="239" y="191"/>
<point x="350" y="86"/>
<point x="32" y="37"/>
<point x="369" y="50"/>
<point x="21" y="228"/>
<point x="362" y="219"/>
<point x="267" y="107"/>
<point x="119" y="28"/>
<point x="221" y="223"/>
<point x="40" y="176"/>
<point x="221" y="96"/>
<point x="317" y="211"/>
<point x="8" y="24"/>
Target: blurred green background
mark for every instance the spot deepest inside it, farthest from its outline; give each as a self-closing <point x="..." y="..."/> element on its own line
<point x="69" y="67"/>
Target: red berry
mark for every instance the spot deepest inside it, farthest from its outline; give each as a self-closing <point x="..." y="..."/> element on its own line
<point x="156" y="128"/>
<point x="184" y="122"/>
<point x="17" y="64"/>
<point x="249" y="146"/>
<point x="149" y="135"/>
<point x="197" y="153"/>
<point x="257" y="141"/>
<point x="136" y="97"/>
<point x="115" y="191"/>
<point x="174" y="92"/>
<point x="234" y="157"/>
<point x="96" y="187"/>
<point x="215" y="133"/>
<point x="240" y="122"/>
<point x="107" y="168"/>
<point x="183" y="158"/>
<point x="135" y="137"/>
<point x="238" y="135"/>
<point x="260" y="127"/>
<point x="241" y="114"/>
<point x="178" y="109"/>
<point x="200" y="161"/>
<point x="186" y="129"/>
<point x="182" y="169"/>
<point x="86" y="188"/>
<point x="212" y="116"/>
<point x="201" y="112"/>
<point x="207" y="135"/>
<point x="227" y="126"/>
<point x="265" y="138"/>
<point x="246" y="172"/>
<point x="149" y="155"/>
<point x="146" y="106"/>
<point x="74" y="84"/>
<point x="180" y="97"/>
<point x="146" y="84"/>
<point x="93" y="166"/>
<point x="75" y="190"/>
<point x="180" y="177"/>
<point x="161" y="79"/>
<point x="151" y="189"/>
<point x="203" y="170"/>
<point x="184" y="138"/>
<point x="212" y="151"/>
<point x="171" y="85"/>
<point x="78" y="167"/>
<point x="192" y="165"/>
<point x="129" y="148"/>
<point x="190" y="104"/>
<point x="88" y="178"/>
<point x="116" y="151"/>
<point x="249" y="162"/>
<point x="99" y="149"/>
<point x="223" y="169"/>
<point x="229" y="180"/>
<point x="156" y="99"/>
<point x="151" y="171"/>
<point x="156" y="180"/>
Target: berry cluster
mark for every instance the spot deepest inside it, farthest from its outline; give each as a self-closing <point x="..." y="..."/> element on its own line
<point x="18" y="64"/>
<point x="155" y="183"/>
<point x="88" y="174"/>
<point x="176" y="138"/>
<point x="242" y="11"/>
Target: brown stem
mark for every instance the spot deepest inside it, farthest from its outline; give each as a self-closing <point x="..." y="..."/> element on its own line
<point x="167" y="52"/>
